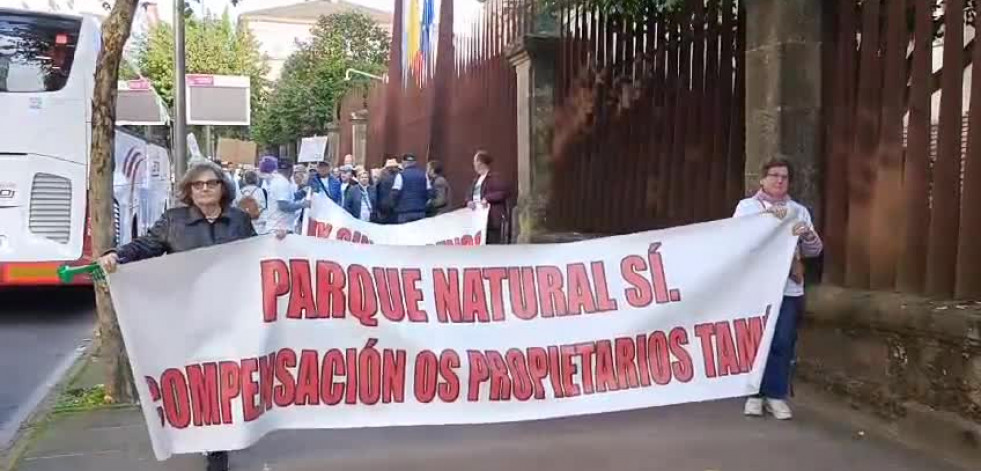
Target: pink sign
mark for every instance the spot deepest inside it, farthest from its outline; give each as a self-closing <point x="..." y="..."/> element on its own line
<point x="200" y="80"/>
<point x="139" y="84"/>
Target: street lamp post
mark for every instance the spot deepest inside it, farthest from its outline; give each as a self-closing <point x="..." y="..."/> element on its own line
<point x="180" y="98"/>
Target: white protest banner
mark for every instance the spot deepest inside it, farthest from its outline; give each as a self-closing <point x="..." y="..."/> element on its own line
<point x="321" y="334"/>
<point x="327" y="220"/>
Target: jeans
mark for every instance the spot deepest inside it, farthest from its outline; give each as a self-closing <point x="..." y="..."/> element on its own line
<point x="776" y="376"/>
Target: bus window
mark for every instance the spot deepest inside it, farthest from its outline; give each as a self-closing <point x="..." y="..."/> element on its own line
<point x="36" y="51"/>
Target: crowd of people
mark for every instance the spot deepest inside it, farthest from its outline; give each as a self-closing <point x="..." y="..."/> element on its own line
<point x="276" y="194"/>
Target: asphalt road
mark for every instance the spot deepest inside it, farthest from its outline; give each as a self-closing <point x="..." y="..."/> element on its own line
<point x="41" y="332"/>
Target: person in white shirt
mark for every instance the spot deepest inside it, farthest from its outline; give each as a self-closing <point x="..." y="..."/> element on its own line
<point x="283" y="211"/>
<point x="774" y="197"/>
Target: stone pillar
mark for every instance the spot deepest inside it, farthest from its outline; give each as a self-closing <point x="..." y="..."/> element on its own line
<point x="534" y="58"/>
<point x="783" y="92"/>
<point x="359" y="136"/>
<point x="333" y="143"/>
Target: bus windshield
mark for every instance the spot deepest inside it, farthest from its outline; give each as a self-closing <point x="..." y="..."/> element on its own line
<point x="36" y="51"/>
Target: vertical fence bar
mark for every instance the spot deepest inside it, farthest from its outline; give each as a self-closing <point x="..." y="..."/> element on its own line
<point x="968" y="284"/>
<point x="887" y="190"/>
<point x="941" y="252"/>
<point x="866" y="140"/>
<point x="841" y="103"/>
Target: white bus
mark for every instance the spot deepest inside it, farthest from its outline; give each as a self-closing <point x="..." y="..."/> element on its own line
<point x="47" y="67"/>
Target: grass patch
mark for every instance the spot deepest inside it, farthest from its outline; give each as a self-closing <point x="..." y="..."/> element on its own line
<point x="80" y="399"/>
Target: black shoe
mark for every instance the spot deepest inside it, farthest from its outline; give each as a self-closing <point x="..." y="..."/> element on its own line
<point x="218" y="461"/>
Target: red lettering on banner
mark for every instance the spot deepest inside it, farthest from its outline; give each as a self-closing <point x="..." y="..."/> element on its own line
<point x="550" y="291"/>
<point x="605" y="302"/>
<point x="156" y="396"/>
<point x="553" y="371"/>
<point x="427" y="376"/>
<point x="446" y="285"/>
<point x="449" y="387"/>
<point x="250" y="389"/>
<point x="749" y="334"/>
<point x="569" y="370"/>
<point x="302" y="303"/>
<point x="586" y="352"/>
<point x="351" y="386"/>
<point x="538" y="370"/>
<point x="726" y="349"/>
<point x="640" y="293"/>
<point x="662" y="294"/>
<point x="176" y="402"/>
<point x="361" y="293"/>
<point x="387" y="281"/>
<point x="331" y="390"/>
<point x="466" y="240"/>
<point x="203" y="384"/>
<point x="477" y="238"/>
<point x="606" y="379"/>
<point x="496" y="278"/>
<point x="523" y="387"/>
<point x="500" y="380"/>
<point x="275" y="283"/>
<point x="284" y="392"/>
<point x="521" y="285"/>
<point x="580" y="291"/>
<point x="659" y="356"/>
<point x="330" y="290"/>
<point x="682" y="367"/>
<point x="413" y="295"/>
<point x="474" y="298"/>
<point x="308" y="379"/>
<point x="626" y="368"/>
<point x="344" y="234"/>
<point x="479" y="373"/>
<point x="643" y="360"/>
<point x="266" y="374"/>
<point x="705" y="332"/>
<point x="229" y="388"/>
<point x="393" y="377"/>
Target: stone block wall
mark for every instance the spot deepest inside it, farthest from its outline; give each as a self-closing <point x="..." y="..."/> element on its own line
<point x="914" y="362"/>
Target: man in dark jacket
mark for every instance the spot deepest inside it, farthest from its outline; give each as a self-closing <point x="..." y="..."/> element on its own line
<point x="442" y="194"/>
<point x="385" y="208"/>
<point x="359" y="200"/>
<point x="411" y="191"/>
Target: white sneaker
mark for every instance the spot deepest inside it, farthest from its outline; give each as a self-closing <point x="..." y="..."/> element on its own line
<point x="779" y="408"/>
<point x="754" y="407"/>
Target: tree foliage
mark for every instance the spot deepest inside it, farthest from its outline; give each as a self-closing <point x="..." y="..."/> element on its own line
<point x="213" y="45"/>
<point x="305" y="97"/>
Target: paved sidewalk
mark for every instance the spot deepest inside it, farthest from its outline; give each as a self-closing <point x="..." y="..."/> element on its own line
<point x="692" y="437"/>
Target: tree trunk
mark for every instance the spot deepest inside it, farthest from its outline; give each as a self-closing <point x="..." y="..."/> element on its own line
<point x="115" y="31"/>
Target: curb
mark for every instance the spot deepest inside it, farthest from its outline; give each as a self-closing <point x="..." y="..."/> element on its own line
<point x="23" y="430"/>
<point x="921" y="431"/>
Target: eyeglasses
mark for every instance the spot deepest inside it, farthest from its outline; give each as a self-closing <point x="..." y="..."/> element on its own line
<point x="201" y="184"/>
<point x="777" y="176"/>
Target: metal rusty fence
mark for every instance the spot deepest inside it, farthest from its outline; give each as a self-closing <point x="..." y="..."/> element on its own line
<point x="465" y="103"/>
<point x="649" y="122"/>
<point x="903" y="163"/>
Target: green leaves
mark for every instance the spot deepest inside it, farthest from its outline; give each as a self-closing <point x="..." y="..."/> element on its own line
<point x="304" y="99"/>
<point x="213" y="45"/>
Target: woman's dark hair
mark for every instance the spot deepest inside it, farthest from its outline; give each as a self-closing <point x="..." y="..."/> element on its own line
<point x="198" y="168"/>
<point x="777" y="163"/>
<point x="250" y="177"/>
<point x="437" y="167"/>
<point x="484" y="157"/>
